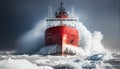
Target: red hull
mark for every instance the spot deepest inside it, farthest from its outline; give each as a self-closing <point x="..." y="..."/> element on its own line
<point x="62" y="35"/>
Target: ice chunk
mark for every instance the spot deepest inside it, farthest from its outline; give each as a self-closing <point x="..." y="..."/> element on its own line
<point x="68" y="66"/>
<point x="105" y="66"/>
<point x="20" y="64"/>
<point x="95" y="57"/>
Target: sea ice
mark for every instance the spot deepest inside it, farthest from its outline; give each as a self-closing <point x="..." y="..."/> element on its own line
<point x="20" y="64"/>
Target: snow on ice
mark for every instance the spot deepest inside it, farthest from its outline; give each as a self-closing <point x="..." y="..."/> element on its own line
<point x="20" y="64"/>
<point x="51" y="62"/>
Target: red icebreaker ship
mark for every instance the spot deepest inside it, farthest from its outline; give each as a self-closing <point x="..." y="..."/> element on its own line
<point x="61" y="32"/>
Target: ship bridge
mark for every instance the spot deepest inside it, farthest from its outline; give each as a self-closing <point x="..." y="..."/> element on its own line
<point x="51" y="22"/>
<point x="61" y="18"/>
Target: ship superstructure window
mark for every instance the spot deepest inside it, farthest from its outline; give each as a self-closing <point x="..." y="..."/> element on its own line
<point x="51" y="22"/>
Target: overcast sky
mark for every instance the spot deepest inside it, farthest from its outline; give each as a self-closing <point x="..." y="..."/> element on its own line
<point x="19" y="16"/>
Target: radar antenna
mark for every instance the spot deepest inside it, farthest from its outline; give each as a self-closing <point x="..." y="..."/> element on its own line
<point x="61" y="4"/>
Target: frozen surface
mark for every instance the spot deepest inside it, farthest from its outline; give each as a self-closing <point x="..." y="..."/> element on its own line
<point x="20" y="64"/>
<point x="55" y="62"/>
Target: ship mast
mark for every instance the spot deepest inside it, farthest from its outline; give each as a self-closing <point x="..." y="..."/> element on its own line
<point x="61" y="5"/>
<point x="49" y="9"/>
